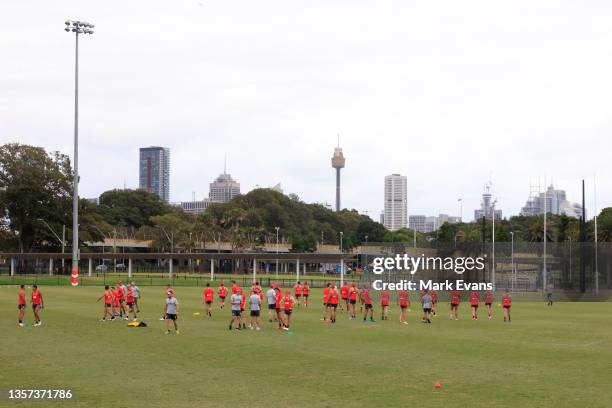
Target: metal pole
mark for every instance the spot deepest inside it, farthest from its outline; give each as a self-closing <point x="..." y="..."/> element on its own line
<point x="595" y="218"/>
<point x="254" y="270"/>
<point x="493" y="251"/>
<point x="277" y="228"/>
<point x="544" y="271"/>
<point x="63" y="243"/>
<point x="297" y="270"/>
<point x="342" y="271"/>
<point x="212" y="269"/>
<point x="75" y="181"/>
<point x="130" y="268"/>
<point x="512" y="259"/>
<point x="90" y="267"/>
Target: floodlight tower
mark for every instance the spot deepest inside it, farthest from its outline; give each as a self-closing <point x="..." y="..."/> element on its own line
<point x="76" y="27"/>
<point x="338" y="163"/>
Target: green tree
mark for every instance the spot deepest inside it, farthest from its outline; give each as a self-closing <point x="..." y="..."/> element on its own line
<point x="36" y="185"/>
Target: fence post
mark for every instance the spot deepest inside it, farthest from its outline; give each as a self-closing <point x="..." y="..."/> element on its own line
<point x="254" y="270"/>
<point x="50" y="266"/>
<point x="90" y="267"/>
<point x="212" y="269"/>
<point x="170" y="268"/>
<point x="130" y="268"/>
<point x="12" y="266"/>
<point x="297" y="269"/>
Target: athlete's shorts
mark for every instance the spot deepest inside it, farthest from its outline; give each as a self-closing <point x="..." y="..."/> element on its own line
<point x="476" y="306"/>
<point x="170" y="316"/>
<point x="271" y="306"/>
<point x="334" y="305"/>
<point x="507" y="307"/>
<point x="222" y="297"/>
<point x="277" y="309"/>
<point x="254" y="313"/>
<point x="384" y="304"/>
<point x="305" y="295"/>
<point x="208" y="302"/>
<point x="487" y="304"/>
<point x="236" y="312"/>
<point x="344" y="298"/>
<point x="121" y="300"/>
<point x="34" y="307"/>
<point x="549" y="296"/>
<point x="298" y="296"/>
<point x="21" y="307"/>
<point x="135" y="301"/>
<point x="403" y="307"/>
<point x="352" y="302"/>
<point x="368" y="306"/>
<point x="241" y="309"/>
<point x="427" y="309"/>
<point x="130" y="304"/>
<point x="288" y="312"/>
<point x="107" y="305"/>
<point x="455" y="304"/>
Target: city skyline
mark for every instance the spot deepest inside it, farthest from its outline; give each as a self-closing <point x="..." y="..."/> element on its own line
<point x="274" y="98"/>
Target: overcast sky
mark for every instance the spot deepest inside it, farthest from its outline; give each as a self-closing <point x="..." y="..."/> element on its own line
<point x="450" y="93"/>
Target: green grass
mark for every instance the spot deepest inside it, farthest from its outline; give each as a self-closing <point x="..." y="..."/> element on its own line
<point x="547" y="357"/>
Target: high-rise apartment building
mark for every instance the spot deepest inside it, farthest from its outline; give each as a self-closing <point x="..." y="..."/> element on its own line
<point x="155" y="171"/>
<point x="396" y="209"/>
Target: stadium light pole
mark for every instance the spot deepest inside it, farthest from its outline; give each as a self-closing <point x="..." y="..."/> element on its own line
<point x="544" y="277"/>
<point x="460" y="201"/>
<point x="493" y="242"/>
<point x="512" y="258"/>
<point x="77" y="27"/>
<point x="366" y="254"/>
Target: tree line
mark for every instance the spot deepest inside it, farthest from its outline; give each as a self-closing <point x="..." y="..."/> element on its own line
<point x="36" y="200"/>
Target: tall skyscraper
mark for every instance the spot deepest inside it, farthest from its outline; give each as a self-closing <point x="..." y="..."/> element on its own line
<point x="555" y="202"/>
<point x="224" y="188"/>
<point x="396" y="209"/>
<point x="155" y="171"/>
<point x="338" y="164"/>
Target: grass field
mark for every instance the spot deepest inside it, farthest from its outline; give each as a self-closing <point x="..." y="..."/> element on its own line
<point x="547" y="357"/>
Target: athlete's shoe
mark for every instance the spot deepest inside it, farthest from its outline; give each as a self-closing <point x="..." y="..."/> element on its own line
<point x="257" y="328"/>
<point x="405" y="322"/>
<point x="20" y="324"/>
<point x="167" y="331"/>
<point x="178" y="332"/>
<point x="285" y="328"/>
<point x="102" y="320"/>
<point x="161" y="318"/>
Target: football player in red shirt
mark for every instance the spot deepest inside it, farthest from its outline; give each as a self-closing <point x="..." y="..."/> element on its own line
<point x="222" y="294"/>
<point x="455" y="300"/>
<point x="325" y="298"/>
<point x="384" y="304"/>
<point x="279" y="301"/>
<point x="489" y="303"/>
<point x="129" y="297"/>
<point x="434" y="301"/>
<point x="403" y="302"/>
<point x="297" y="291"/>
<point x="367" y="302"/>
<point x="474" y="302"/>
<point x="108" y="303"/>
<point x="332" y="302"/>
<point x="344" y="293"/>
<point x="242" y="307"/>
<point x="209" y="294"/>
<point x="37" y="304"/>
<point x="305" y="293"/>
<point x="121" y="299"/>
<point x="21" y="304"/>
<point x="288" y="301"/>
<point x="352" y="300"/>
<point x="507" y="304"/>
